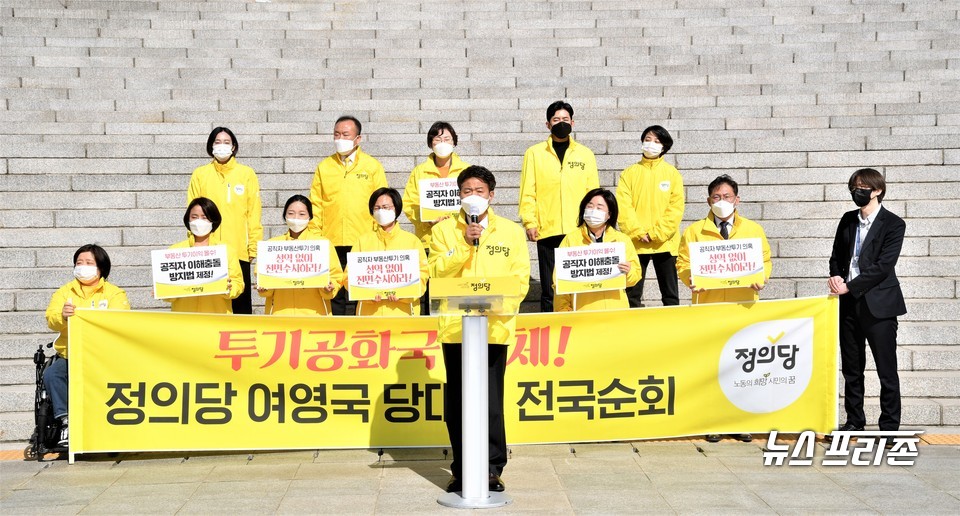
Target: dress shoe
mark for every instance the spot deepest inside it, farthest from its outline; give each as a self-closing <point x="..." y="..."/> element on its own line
<point x="713" y="438"/>
<point x="454" y="485"/>
<point x="847" y="427"/>
<point x="496" y="485"/>
<point x="745" y="438"/>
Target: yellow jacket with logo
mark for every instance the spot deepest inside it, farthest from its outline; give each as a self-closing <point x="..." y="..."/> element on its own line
<point x="394" y="240"/>
<point x="213" y="303"/>
<point x="236" y="192"/>
<point x="303" y="301"/>
<point x="606" y="299"/>
<point x="550" y="192"/>
<point x="502" y="252"/>
<point x="340" y="196"/>
<point x="650" y="198"/>
<point x="411" y="192"/>
<point x="103" y="295"/>
<point x="705" y="230"/>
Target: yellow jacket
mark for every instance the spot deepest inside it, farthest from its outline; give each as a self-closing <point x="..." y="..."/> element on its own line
<point x="502" y="252"/>
<point x="650" y="198"/>
<point x="394" y="240"/>
<point x="606" y="299"/>
<point x="303" y="301"/>
<point x="213" y="303"/>
<point x="705" y="230"/>
<point x="340" y="196"/>
<point x="236" y="192"/>
<point x="411" y="192"/>
<point x="103" y="295"/>
<point x="550" y="192"/>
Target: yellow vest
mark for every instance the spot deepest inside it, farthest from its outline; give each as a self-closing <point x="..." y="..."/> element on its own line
<point x="550" y="191"/>
<point x="705" y="230"/>
<point x="650" y="198"/>
<point x="394" y="240"/>
<point x="234" y="189"/>
<point x="502" y="252"/>
<point x="340" y="196"/>
<point x="303" y="301"/>
<point x="603" y="300"/>
<point x="105" y="295"/>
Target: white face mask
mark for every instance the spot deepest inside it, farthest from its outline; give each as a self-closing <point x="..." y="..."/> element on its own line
<point x="651" y="149"/>
<point x="443" y="149"/>
<point x="85" y="273"/>
<point x="344" y="147"/>
<point x="722" y="209"/>
<point x="297" y="225"/>
<point x="222" y="151"/>
<point x="594" y="217"/>
<point x="200" y="227"/>
<point x="474" y="205"/>
<point x="385" y="217"/>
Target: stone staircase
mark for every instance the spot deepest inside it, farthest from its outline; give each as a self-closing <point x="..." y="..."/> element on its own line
<point x="105" y="106"/>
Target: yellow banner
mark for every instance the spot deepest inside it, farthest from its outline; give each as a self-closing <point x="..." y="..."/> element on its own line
<point x="142" y="381"/>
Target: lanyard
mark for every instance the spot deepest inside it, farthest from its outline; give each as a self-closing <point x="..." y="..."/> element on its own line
<point x="856" y="247"/>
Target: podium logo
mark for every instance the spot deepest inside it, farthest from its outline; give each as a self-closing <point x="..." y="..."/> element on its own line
<point x="766" y="366"/>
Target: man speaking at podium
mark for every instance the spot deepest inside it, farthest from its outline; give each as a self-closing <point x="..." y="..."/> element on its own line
<point x="478" y="243"/>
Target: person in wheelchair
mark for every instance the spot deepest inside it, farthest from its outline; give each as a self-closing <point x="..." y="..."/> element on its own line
<point x="88" y="289"/>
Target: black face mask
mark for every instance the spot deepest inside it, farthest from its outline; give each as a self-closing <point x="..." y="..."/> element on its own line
<point x="561" y="130"/>
<point x="861" y="196"/>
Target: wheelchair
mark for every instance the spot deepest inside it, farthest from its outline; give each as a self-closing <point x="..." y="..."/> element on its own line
<point x="46" y="434"/>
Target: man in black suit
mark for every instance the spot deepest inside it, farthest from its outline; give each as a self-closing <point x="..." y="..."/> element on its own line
<point x="865" y="252"/>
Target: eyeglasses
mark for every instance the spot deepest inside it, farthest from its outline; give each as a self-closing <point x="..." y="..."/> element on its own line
<point x="442" y="139"/>
<point x="728" y="197"/>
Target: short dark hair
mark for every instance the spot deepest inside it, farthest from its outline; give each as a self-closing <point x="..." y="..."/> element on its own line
<point x="721" y="180"/>
<point x="394" y="196"/>
<point x="480" y="173"/>
<point x="436" y="129"/>
<point x="100" y="256"/>
<point x="557" y="106"/>
<point x="665" y="139"/>
<point x="871" y="178"/>
<point x="297" y="198"/>
<point x="213" y="136"/>
<point x="353" y="119"/>
<point x="608" y="198"/>
<point x="210" y="211"/>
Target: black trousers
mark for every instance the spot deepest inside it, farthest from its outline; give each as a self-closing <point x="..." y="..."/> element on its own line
<point x="452" y="395"/>
<point x="858" y="326"/>
<point x="666" y="266"/>
<point x="244" y="303"/>
<point x="340" y="305"/>
<point x="546" y="259"/>
<point x="425" y="298"/>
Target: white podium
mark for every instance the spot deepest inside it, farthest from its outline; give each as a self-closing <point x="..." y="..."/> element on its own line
<point x="473" y="299"/>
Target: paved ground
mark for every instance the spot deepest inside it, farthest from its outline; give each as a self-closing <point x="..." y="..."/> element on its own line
<point x="670" y="477"/>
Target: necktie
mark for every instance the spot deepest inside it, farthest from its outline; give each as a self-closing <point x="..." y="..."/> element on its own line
<point x="724" y="232"/>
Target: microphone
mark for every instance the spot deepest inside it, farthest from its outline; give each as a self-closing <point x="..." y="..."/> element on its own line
<point x="474" y="220"/>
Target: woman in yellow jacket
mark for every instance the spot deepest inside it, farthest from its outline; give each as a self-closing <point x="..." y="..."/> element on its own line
<point x="203" y="220"/>
<point x="651" y="207"/>
<point x="441" y="164"/>
<point x="385" y="206"/>
<point x="297" y="213"/>
<point x="595" y="224"/>
<point x="89" y="289"/>
<point x="236" y="192"/>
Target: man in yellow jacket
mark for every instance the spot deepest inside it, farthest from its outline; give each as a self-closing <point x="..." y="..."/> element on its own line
<point x="650" y="194"/>
<point x="556" y="174"/>
<point x="341" y="185"/>
<point x="723" y="222"/>
<point x="463" y="248"/>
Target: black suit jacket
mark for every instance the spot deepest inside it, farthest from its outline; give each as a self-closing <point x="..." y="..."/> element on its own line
<point x="877" y="282"/>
